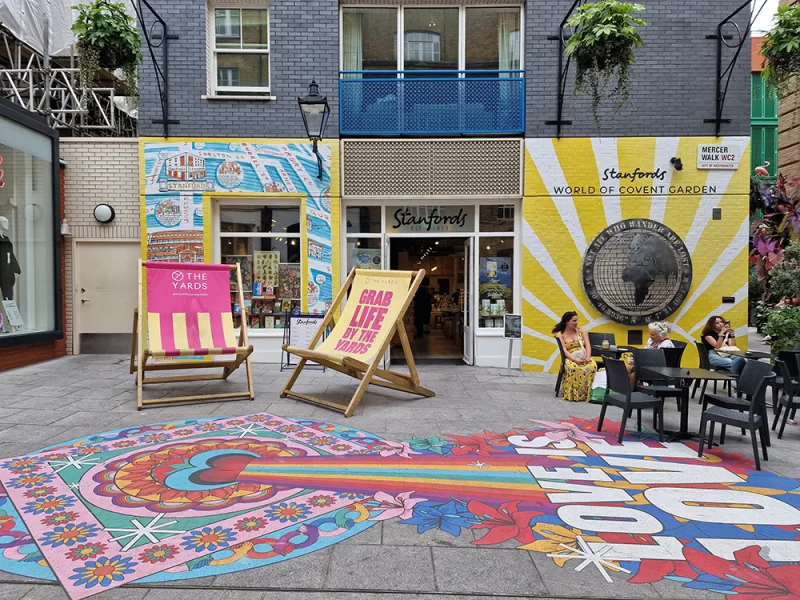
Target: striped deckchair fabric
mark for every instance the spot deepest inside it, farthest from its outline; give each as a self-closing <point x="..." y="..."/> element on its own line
<point x="188" y="314"/>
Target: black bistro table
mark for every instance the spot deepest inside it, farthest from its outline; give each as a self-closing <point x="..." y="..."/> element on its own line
<point x="616" y="351"/>
<point x="686" y="377"/>
<point x="751" y="354"/>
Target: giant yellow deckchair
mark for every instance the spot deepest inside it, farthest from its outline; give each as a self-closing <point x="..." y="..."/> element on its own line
<point x="374" y="312"/>
<point x="188" y="314"/>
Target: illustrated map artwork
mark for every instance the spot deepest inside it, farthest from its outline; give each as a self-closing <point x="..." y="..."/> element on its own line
<point x="177" y="174"/>
<point x="197" y="498"/>
<point x="266" y="267"/>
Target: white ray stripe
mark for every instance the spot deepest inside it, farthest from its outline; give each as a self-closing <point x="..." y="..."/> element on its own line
<point x="719" y="179"/>
<point x="725" y="258"/>
<point x="666" y="148"/>
<point x="740" y="295"/>
<point x="541" y="336"/>
<point x="538" y="304"/>
<point x="543" y="154"/>
<point x="606" y="157"/>
<point x="598" y="321"/>
<point x="535" y="246"/>
<point x="676" y="328"/>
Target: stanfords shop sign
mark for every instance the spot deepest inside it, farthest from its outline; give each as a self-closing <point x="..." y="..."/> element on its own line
<point x="430" y="219"/>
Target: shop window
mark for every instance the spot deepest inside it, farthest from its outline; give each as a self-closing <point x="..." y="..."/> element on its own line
<point x="364" y="219"/>
<point x="27" y="253"/>
<point x="240" y="49"/>
<point x="265" y="242"/>
<point x="497" y="218"/>
<point x="364" y="253"/>
<point x="495" y="280"/>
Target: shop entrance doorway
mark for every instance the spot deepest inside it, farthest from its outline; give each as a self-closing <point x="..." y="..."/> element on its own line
<point x="438" y="323"/>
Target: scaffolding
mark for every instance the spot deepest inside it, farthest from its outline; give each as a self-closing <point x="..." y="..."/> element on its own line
<point x="50" y="86"/>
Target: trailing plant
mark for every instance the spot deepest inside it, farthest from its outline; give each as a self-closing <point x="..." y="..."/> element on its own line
<point x="107" y="37"/>
<point x="781" y="49"/>
<point x="777" y="227"/>
<point x="783" y="327"/>
<point x="602" y="46"/>
<point x="784" y="278"/>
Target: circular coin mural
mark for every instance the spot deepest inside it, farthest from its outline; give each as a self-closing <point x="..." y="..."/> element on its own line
<point x="197" y="498"/>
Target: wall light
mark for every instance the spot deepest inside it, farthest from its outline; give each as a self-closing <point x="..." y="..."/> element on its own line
<point x="104" y="213"/>
<point x="676" y="163"/>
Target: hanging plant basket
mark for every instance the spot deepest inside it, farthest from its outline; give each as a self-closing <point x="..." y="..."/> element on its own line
<point x="602" y="46"/>
<point x="107" y="38"/>
<point x="781" y="51"/>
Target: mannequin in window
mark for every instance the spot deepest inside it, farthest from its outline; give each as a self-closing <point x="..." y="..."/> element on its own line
<point x="9" y="267"/>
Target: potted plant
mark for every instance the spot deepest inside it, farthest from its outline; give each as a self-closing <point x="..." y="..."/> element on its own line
<point x="783" y="328"/>
<point x="781" y="50"/>
<point x="107" y="37"/>
<point x="602" y="46"/>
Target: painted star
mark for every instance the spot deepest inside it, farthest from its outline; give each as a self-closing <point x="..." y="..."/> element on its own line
<point x="590" y="557"/>
<point x="479" y="464"/>
<point x="71" y="461"/>
<point x="149" y="531"/>
<point x="75" y="486"/>
<point x="250" y="429"/>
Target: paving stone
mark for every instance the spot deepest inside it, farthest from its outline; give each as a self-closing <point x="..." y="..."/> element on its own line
<point x="486" y="571"/>
<point x="395" y="533"/>
<point x="355" y="568"/>
<point x="96" y="419"/>
<point x="195" y="594"/>
<point x="29" y="416"/>
<point x="305" y="572"/>
<point x="14" y="591"/>
<point x="29" y="434"/>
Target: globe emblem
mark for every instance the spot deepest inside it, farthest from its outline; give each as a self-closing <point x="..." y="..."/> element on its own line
<point x="637" y="271"/>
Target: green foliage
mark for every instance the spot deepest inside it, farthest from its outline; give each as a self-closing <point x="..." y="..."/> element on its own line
<point x="783" y="326"/>
<point x="781" y="49"/>
<point x="602" y="47"/>
<point x="784" y="278"/>
<point x="107" y="37"/>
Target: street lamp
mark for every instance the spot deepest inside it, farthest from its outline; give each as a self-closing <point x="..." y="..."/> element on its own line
<point x="315" y="111"/>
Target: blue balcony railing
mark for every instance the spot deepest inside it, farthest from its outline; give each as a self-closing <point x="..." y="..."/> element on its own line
<point x="431" y="102"/>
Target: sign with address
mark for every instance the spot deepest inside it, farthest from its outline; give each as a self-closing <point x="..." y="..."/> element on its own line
<point x="717" y="156"/>
<point x="430" y="219"/>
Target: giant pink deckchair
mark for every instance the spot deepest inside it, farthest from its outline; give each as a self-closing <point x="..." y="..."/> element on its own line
<point x="188" y="314"/>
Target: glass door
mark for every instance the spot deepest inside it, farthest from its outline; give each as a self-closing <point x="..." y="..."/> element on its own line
<point x="469" y="351"/>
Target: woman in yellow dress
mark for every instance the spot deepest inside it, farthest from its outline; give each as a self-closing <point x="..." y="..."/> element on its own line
<point x="579" y="368"/>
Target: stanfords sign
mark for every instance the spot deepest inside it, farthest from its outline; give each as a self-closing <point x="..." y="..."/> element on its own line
<point x="430" y="219"/>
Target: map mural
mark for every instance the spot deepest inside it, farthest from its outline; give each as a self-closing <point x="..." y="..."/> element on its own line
<point x="178" y="174"/>
<point x="196" y="498"/>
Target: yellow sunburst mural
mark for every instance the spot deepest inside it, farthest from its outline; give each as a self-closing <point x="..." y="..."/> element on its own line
<point x="575" y="188"/>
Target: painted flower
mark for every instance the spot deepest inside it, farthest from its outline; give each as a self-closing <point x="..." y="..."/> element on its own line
<point x="57" y="456"/>
<point x="286" y="512"/>
<point x="210" y="427"/>
<point x="432" y="444"/>
<point x="182" y="432"/>
<point x="103" y="571"/>
<point x="450" y="517"/>
<point x="563" y="431"/>
<point x="60" y="518"/>
<point x="235" y="422"/>
<point x="49" y="505"/>
<point x="306" y="434"/>
<point x="208" y="538"/>
<point x="289" y="428"/>
<point x="153" y="438"/>
<point x="124" y="444"/>
<point x="351" y="495"/>
<point x="257" y="418"/>
<point x="400" y="506"/>
<point x="40" y="492"/>
<point x="340" y="447"/>
<point x="504" y="523"/>
<point x="272" y="423"/>
<point x="321" y="500"/>
<point x="463" y="445"/>
<point x="69" y="535"/>
<point x="158" y="554"/>
<point x="322" y="440"/>
<point x="753" y="577"/>
<point x="386" y="449"/>
<point x="250" y="524"/>
<point x="23" y="464"/>
<point x="30" y="480"/>
<point x="88" y="450"/>
<point x="557" y="539"/>
<point x="86" y="551"/>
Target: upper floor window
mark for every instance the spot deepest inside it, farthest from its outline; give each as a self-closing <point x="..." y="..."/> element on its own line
<point x="423" y="46"/>
<point x="241" y="51"/>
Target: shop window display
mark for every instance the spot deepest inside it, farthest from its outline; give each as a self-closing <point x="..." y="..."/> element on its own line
<point x="265" y="242"/>
<point x="27" y="271"/>
<point x="496" y="280"/>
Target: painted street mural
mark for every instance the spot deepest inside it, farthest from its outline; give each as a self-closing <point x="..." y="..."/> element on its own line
<point x="178" y="175"/>
<point x="186" y="499"/>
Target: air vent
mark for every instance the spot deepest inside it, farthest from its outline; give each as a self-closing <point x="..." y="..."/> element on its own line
<point x="418" y="168"/>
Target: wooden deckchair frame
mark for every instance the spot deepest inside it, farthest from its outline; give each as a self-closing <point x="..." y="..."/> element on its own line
<point x="367" y="373"/>
<point x="140" y="355"/>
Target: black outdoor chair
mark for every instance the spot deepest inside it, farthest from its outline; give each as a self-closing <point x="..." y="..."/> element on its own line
<point x="788" y="398"/>
<point x="753" y="374"/>
<point x="790" y="359"/>
<point x="560" y="377"/>
<point x="619" y="394"/>
<point x="754" y="378"/>
<point x="596" y="339"/>
<point x="657" y="386"/>
<point x="705" y="363"/>
<point x="673" y="356"/>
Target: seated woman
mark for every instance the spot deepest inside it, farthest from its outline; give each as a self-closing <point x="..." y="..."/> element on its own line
<point x="579" y="368"/>
<point x="659" y="338"/>
<point x="716" y="334"/>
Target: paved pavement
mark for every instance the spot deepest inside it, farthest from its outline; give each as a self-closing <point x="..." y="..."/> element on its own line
<point x="48" y="403"/>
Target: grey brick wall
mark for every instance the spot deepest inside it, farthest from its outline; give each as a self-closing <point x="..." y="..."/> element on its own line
<point x="673" y="85"/>
<point x="304" y="39"/>
<point x="673" y="80"/>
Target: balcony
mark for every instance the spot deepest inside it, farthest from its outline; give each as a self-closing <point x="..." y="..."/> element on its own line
<point x="432" y="102"/>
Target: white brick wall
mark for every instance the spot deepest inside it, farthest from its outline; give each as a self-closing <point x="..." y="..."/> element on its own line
<point x="99" y="170"/>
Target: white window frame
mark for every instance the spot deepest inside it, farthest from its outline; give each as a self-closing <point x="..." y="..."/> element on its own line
<point x="462" y="28"/>
<point x="213" y="86"/>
